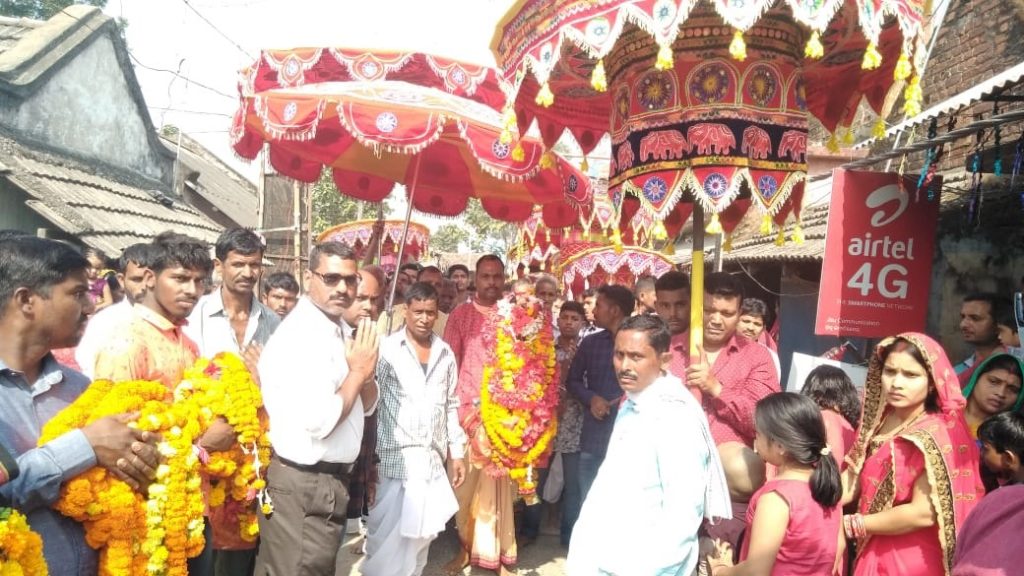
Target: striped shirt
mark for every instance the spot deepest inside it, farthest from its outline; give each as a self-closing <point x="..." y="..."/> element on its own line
<point x="418" y="419"/>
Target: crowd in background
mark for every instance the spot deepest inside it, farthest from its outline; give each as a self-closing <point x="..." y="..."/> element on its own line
<point x="375" y="417"/>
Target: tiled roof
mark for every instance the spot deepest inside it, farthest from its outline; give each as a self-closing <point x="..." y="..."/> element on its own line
<point x="104" y="213"/>
<point x="14" y="29"/>
<point x="749" y="245"/>
<point x="226" y="189"/>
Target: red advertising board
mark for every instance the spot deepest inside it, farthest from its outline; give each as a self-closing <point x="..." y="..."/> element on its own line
<point x="878" y="256"/>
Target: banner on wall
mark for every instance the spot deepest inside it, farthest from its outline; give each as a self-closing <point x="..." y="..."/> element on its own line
<point x="876" y="276"/>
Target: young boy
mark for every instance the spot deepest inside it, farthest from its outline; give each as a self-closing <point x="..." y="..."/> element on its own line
<point x="745" y="474"/>
<point x="986" y="542"/>
<point x="571" y="319"/>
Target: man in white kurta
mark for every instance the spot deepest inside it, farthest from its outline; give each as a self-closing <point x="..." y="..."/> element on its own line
<point x="661" y="464"/>
<point x="418" y="429"/>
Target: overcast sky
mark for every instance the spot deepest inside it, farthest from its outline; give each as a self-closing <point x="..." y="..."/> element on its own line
<point x="172" y="35"/>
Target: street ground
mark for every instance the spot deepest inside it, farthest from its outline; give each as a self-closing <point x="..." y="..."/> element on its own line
<point x="545" y="557"/>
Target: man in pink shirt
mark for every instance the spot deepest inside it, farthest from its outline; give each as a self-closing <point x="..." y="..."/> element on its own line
<point x="485" y="518"/>
<point x="731" y="372"/>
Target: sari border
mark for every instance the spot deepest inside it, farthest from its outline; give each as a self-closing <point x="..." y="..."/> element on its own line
<point x="942" y="492"/>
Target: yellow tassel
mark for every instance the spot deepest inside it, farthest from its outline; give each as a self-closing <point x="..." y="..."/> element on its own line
<point x="798" y="235"/>
<point x="664" y="58"/>
<point x="766" y="225"/>
<point x="659" y="232"/>
<point x="814" y="49"/>
<point x="715" y="226"/>
<point x="508" y="123"/>
<point x="670" y="249"/>
<point x="616" y="241"/>
<point x="879" y="129"/>
<point x="518" y="154"/>
<point x="780" y="240"/>
<point x="584" y="165"/>
<point x="547" y="234"/>
<point x="545" y="98"/>
<point x="597" y="78"/>
<point x="903" y="68"/>
<point x="833" y="144"/>
<point x="727" y="245"/>
<point x="738" y="48"/>
<point x="872" y="57"/>
<point x="913" y="97"/>
<point x="547" y="160"/>
<point x="848" y="136"/>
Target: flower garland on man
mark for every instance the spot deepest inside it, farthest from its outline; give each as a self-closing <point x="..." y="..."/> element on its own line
<point x="156" y="534"/>
<point x="519" y="393"/>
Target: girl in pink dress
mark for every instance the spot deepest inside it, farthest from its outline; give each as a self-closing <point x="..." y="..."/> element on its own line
<point x="913" y="469"/>
<point x="833" y="392"/>
<point x="793" y="521"/>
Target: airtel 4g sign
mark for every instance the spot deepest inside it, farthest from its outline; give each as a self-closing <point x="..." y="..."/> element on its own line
<point x="876" y="275"/>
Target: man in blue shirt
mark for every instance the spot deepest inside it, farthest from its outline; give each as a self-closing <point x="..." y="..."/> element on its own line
<point x="44" y="304"/>
<point x="592" y="380"/>
<point x="661" y="460"/>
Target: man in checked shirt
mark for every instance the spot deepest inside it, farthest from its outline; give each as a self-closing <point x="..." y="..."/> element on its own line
<point x="418" y="430"/>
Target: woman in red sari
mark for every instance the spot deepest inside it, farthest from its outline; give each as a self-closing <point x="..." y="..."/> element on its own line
<point x="913" y="469"/>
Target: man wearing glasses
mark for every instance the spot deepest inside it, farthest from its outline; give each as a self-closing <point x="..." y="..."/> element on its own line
<point x="317" y="388"/>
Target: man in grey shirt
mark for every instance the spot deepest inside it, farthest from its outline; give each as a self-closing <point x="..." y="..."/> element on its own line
<point x="44" y="304"/>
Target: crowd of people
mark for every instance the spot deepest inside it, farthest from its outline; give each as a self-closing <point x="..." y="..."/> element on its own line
<point x="375" y="418"/>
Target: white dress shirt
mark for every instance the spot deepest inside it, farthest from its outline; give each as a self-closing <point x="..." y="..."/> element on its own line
<point x="98" y="332"/>
<point x="301" y="369"/>
<point x="210" y="328"/>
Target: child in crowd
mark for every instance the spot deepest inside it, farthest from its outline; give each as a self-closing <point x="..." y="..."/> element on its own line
<point x="745" y="474"/>
<point x="101" y="279"/>
<point x="839" y="401"/>
<point x="986" y="544"/>
<point x="571" y="319"/>
<point x="793" y="521"/>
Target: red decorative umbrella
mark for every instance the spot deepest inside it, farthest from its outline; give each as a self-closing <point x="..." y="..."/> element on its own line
<point x="585" y="264"/>
<point x="359" y="233"/>
<point x="377" y="118"/>
<point x="706" y="100"/>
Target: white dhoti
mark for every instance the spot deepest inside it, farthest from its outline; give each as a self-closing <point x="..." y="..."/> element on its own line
<point x="404" y="520"/>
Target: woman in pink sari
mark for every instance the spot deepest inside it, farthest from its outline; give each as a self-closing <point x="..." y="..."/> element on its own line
<point x="913" y="469"/>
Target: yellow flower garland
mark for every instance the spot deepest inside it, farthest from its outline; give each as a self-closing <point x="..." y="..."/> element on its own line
<point x="158" y="533"/>
<point x="21" y="549"/>
<point x="235" y="473"/>
<point x="516" y="366"/>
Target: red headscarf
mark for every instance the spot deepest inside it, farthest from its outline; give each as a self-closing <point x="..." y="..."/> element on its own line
<point x="950" y="453"/>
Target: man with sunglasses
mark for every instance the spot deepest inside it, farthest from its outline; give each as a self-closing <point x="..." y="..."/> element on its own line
<point x="317" y="388"/>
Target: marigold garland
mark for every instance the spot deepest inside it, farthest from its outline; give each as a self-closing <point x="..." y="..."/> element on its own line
<point x="519" y="393"/>
<point x="224" y="388"/>
<point x="21" y="549"/>
<point x="156" y="534"/>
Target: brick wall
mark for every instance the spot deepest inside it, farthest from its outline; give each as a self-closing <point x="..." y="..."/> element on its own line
<point x="978" y="40"/>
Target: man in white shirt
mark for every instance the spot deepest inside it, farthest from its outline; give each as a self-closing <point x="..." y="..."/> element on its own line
<point x="661" y="460"/>
<point x="135" y="259"/>
<point x="232" y="319"/>
<point x="418" y="430"/>
<point x="317" y="388"/>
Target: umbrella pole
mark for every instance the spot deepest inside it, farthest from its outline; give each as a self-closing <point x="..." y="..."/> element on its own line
<point x="697" y="285"/>
<point x="401" y="245"/>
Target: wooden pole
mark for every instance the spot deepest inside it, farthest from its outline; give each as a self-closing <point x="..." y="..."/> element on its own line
<point x="297" y="231"/>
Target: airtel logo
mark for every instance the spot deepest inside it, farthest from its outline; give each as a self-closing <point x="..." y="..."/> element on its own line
<point x="883" y="196"/>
